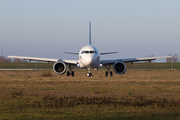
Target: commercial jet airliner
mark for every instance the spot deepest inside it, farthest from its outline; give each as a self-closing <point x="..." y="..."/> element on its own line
<point x="89" y="57"/>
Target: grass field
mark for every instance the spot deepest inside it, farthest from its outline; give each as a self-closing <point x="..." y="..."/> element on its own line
<point x="129" y="66"/>
<point x="138" y="94"/>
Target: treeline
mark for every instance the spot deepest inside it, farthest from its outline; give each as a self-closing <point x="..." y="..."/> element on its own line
<point x="9" y="60"/>
<point x="174" y="58"/>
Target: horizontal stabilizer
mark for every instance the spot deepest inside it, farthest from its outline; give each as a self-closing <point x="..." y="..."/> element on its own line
<point x="108" y="53"/>
<point x="71" y="53"/>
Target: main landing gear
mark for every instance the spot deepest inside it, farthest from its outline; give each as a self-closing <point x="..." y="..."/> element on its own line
<point x="110" y="73"/>
<point x="70" y="72"/>
<point x="89" y="72"/>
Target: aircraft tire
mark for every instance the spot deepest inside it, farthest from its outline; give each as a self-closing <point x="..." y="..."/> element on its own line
<point x="106" y="73"/>
<point x="111" y="73"/>
<point x="72" y="73"/>
<point x="68" y="73"/>
<point x="89" y="74"/>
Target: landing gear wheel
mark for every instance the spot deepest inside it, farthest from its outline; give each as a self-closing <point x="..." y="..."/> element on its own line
<point x="106" y="73"/>
<point x="68" y="73"/>
<point x="111" y="73"/>
<point x="89" y="74"/>
<point x="72" y="73"/>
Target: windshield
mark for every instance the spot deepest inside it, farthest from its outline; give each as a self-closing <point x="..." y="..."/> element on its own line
<point x="87" y="52"/>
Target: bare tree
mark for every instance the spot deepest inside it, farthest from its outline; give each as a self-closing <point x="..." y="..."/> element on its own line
<point x="5" y="60"/>
<point x="150" y="56"/>
<point x="16" y="60"/>
<point x="168" y="60"/>
<point x="174" y="58"/>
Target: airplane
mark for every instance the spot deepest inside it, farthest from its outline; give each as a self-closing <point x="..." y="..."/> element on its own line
<point x="89" y="58"/>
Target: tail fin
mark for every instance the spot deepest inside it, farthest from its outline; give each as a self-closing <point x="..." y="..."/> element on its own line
<point x="89" y="33"/>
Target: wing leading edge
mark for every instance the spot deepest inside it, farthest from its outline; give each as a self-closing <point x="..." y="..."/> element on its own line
<point x="132" y="60"/>
<point x="108" y="53"/>
<point x="71" y="53"/>
<point x="44" y="59"/>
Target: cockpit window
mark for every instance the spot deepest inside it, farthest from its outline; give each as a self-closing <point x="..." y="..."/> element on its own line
<point x="86" y="51"/>
<point x="91" y="52"/>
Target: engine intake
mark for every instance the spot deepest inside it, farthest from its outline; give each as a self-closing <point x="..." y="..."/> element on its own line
<point x="59" y="67"/>
<point x="119" y="67"/>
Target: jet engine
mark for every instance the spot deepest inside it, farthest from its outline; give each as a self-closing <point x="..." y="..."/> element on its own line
<point x="119" y="67"/>
<point x="59" y="67"/>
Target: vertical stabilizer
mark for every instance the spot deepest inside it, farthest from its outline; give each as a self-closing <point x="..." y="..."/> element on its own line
<point x="89" y="33"/>
<point x="2" y="49"/>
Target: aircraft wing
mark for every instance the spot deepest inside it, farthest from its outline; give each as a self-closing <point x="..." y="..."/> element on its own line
<point x="71" y="53"/>
<point x="108" y="53"/>
<point x="107" y="62"/>
<point x="43" y="59"/>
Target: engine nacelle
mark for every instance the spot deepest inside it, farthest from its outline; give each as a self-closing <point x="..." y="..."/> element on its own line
<point x="59" y="67"/>
<point x="119" y="67"/>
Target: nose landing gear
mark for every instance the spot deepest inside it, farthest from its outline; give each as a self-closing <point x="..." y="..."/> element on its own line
<point x="89" y="72"/>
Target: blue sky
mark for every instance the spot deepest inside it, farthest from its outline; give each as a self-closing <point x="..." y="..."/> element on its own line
<point x="44" y="28"/>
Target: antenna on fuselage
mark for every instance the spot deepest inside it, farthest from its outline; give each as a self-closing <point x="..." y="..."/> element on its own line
<point x="89" y="33"/>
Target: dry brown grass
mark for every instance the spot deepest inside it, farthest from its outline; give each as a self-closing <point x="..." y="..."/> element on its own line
<point x="149" y="82"/>
<point x="26" y="88"/>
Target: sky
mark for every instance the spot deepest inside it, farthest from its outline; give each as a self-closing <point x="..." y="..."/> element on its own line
<point x="46" y="28"/>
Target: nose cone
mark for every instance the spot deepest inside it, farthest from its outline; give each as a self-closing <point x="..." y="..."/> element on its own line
<point x="87" y="60"/>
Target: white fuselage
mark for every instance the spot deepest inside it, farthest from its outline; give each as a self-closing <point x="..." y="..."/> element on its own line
<point x="89" y="57"/>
